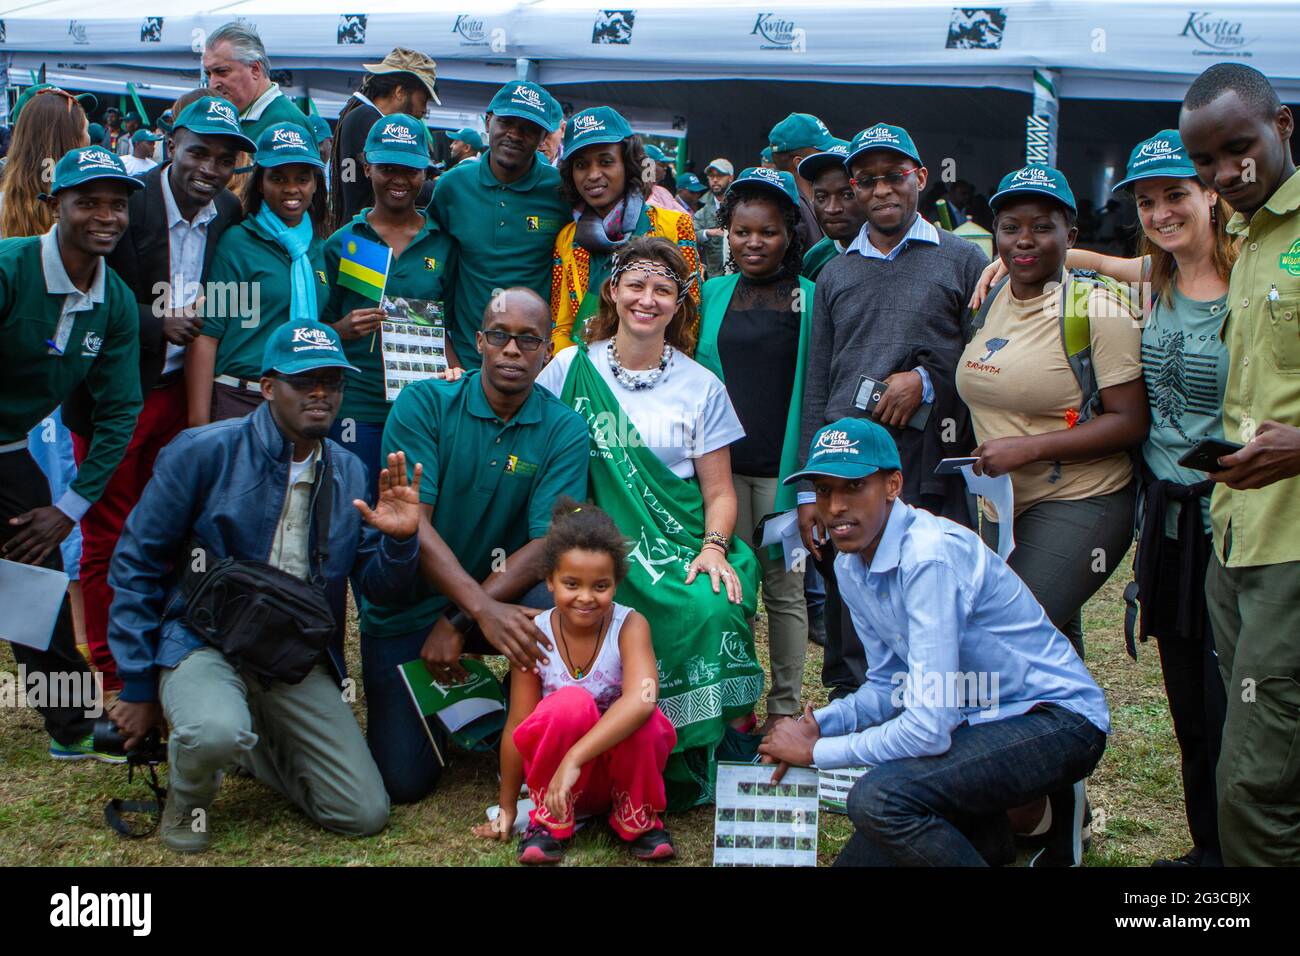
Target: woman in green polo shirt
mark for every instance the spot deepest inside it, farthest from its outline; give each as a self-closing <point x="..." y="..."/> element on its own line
<point x="267" y="270"/>
<point x="397" y="162"/>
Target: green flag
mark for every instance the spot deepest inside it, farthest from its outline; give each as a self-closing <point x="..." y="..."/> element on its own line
<point x="708" y="671"/>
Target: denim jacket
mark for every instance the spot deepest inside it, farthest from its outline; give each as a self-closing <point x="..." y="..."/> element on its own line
<point x="225" y="484"/>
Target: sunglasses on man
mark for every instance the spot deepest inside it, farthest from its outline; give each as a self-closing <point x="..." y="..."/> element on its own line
<point x="498" y="339"/>
<point x="307" y="382"/>
<point x="892" y="180"/>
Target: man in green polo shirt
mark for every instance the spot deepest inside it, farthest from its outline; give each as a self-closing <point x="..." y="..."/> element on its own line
<point x="396" y="163"/>
<point x="497" y="452"/>
<point x="1238" y="135"/>
<point x="65" y="318"/>
<point x="504" y="211"/>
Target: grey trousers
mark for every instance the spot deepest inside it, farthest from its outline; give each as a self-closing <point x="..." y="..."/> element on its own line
<point x="300" y="739"/>
<point x="783" y="599"/>
<point x="1065" y="551"/>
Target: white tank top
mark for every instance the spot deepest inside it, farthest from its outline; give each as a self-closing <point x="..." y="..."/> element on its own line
<point x="604" y="681"/>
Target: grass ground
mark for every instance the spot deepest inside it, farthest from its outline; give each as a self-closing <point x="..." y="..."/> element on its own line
<point x="53" y="814"/>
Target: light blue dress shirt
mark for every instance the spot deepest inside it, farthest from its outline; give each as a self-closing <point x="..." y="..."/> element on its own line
<point x="951" y="635"/>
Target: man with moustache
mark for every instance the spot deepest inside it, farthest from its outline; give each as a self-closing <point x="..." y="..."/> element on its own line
<point x="711" y="237"/>
<point x="1238" y="136"/>
<point x="890" y="310"/>
<point x="65" y="318"/>
<point x="839" y="214"/>
<point x="269" y="489"/>
<point x="497" y="452"/>
<point x="504" y="210"/>
<point x="174" y="224"/>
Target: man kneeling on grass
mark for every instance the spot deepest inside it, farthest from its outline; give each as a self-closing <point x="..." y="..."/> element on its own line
<point x="242" y="677"/>
<point x="974" y="703"/>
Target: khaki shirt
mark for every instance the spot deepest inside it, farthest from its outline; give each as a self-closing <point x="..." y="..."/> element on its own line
<point x="289" y="549"/>
<point x="1262" y="333"/>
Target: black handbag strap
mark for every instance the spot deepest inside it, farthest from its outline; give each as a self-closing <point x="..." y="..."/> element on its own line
<point x="323" y="513"/>
<point x="114" y="809"/>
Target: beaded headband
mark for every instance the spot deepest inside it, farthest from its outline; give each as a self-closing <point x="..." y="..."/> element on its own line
<point x="684" y="286"/>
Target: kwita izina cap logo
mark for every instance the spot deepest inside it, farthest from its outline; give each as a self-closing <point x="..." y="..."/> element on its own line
<point x="223" y="112"/>
<point x="398" y="133"/>
<point x="311" y="339"/>
<point x="768" y="175"/>
<point x="587" y="123"/>
<point x="839" y="149"/>
<point x="835" y="442"/>
<point x="879" y="134"/>
<point x="1290" y="260"/>
<point x="1158" y="149"/>
<point x="1033" y="176"/>
<point x="527" y="96"/>
<point x="97" y="159"/>
<point x="288" y="138"/>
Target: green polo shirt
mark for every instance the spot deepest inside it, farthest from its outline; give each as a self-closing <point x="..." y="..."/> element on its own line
<point x="279" y="109"/>
<point x="815" y="259"/>
<point x="102" y="349"/>
<point x="248" y="295"/>
<point x="506" y="234"/>
<point x="1262" y="333"/>
<point x="421" y="272"/>
<point x="491" y="484"/>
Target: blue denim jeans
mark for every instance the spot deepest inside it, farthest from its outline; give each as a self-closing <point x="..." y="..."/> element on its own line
<point x="944" y="810"/>
<point x="395" y="731"/>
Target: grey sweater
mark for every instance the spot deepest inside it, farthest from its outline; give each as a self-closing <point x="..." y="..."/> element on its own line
<point x="876" y="317"/>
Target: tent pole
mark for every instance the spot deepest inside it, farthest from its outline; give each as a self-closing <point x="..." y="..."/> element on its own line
<point x="526" y="69"/>
<point x="1042" y="129"/>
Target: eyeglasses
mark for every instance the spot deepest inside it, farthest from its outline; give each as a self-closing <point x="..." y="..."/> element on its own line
<point x="307" y="382"/>
<point x="892" y="180"/>
<point x="498" y="339"/>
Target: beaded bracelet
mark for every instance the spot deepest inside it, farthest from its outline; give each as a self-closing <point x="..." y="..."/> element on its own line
<point x="718" y="538"/>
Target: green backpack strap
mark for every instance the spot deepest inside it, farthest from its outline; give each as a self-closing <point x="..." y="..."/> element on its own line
<point x="975" y="320"/>
<point x="1076" y="332"/>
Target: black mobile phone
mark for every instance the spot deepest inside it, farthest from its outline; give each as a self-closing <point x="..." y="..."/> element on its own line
<point x="1205" y="454"/>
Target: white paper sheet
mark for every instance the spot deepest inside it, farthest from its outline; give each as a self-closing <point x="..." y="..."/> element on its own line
<point x="757" y="823"/>
<point x="784" y="530"/>
<point x="997" y="490"/>
<point x="30" y="598"/>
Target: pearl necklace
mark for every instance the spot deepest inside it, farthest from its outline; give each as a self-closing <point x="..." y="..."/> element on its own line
<point x="637" y="380"/>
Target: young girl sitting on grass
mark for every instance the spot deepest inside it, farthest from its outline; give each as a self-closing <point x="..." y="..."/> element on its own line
<point x="583" y="730"/>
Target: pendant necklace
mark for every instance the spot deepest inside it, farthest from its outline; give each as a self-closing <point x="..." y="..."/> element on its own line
<point x="582" y="668"/>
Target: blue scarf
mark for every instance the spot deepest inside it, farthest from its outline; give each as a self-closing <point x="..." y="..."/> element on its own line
<point x="295" y="242"/>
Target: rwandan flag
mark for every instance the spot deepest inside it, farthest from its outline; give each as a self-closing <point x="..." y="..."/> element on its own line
<point x="363" y="266"/>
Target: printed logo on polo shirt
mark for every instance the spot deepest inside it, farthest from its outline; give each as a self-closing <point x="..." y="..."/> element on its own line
<point x="834" y="443"/>
<point x="587" y="123"/>
<point x="222" y="112"/>
<point x="527" y="96"/>
<point x="430" y="263"/>
<point x="514" y="466"/>
<point x="1289" y="261"/>
<point x="981" y="364"/>
<point x="534" y="223"/>
<point x="91" y="345"/>
<point x="288" y="138"/>
<point x="310" y="340"/>
<point x="398" y="133"/>
<point x="320" y="276"/>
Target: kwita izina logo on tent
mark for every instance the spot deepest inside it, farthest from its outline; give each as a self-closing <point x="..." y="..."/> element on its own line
<point x="352" y="28"/>
<point x="1217" y="33"/>
<point x="777" y="32"/>
<point x="613" y="26"/>
<point x="151" y="30"/>
<point x="78" y="32"/>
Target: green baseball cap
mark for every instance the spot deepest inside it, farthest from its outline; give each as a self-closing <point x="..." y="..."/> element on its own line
<point x="96" y="132"/>
<point x="849" y="448"/>
<point x="398" y="140"/>
<point x="691" y="183"/>
<point x="214" y="116"/>
<point x="765" y="154"/>
<point x="528" y="101"/>
<point x="1035" y="179"/>
<point x="320" y="128"/>
<point x="469" y="137"/>
<point x="657" y="154"/>
<point x="88" y="101"/>
<point x="1161" y="155"/>
<point x="302" y="346"/>
<point x="883" y="136"/>
<point x="799" y="131"/>
<point x="86" y="164"/>
<point x="832" y="158"/>
<point x="773" y="180"/>
<point x="144" y="136"/>
<point x="283" y="143"/>
<point x="600" y="124"/>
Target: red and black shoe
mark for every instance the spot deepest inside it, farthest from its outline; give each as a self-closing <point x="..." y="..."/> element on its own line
<point x="538" y="845"/>
<point x="653" y="846"/>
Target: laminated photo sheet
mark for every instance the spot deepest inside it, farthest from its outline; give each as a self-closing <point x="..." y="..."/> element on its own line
<point x="413" y="341"/>
<point x="759" y="823"/>
<point x="833" y="787"/>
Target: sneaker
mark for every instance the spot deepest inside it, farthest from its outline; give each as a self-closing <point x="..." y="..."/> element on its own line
<point x="1064" y="844"/>
<point x="83" y="749"/>
<point x="817" y="628"/>
<point x="537" y="845"/>
<point x="653" y="846"/>
<point x="177" y="829"/>
<point x="1196" y="856"/>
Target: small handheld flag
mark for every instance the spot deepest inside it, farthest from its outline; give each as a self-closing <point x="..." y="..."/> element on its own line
<point x="363" y="266"/>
